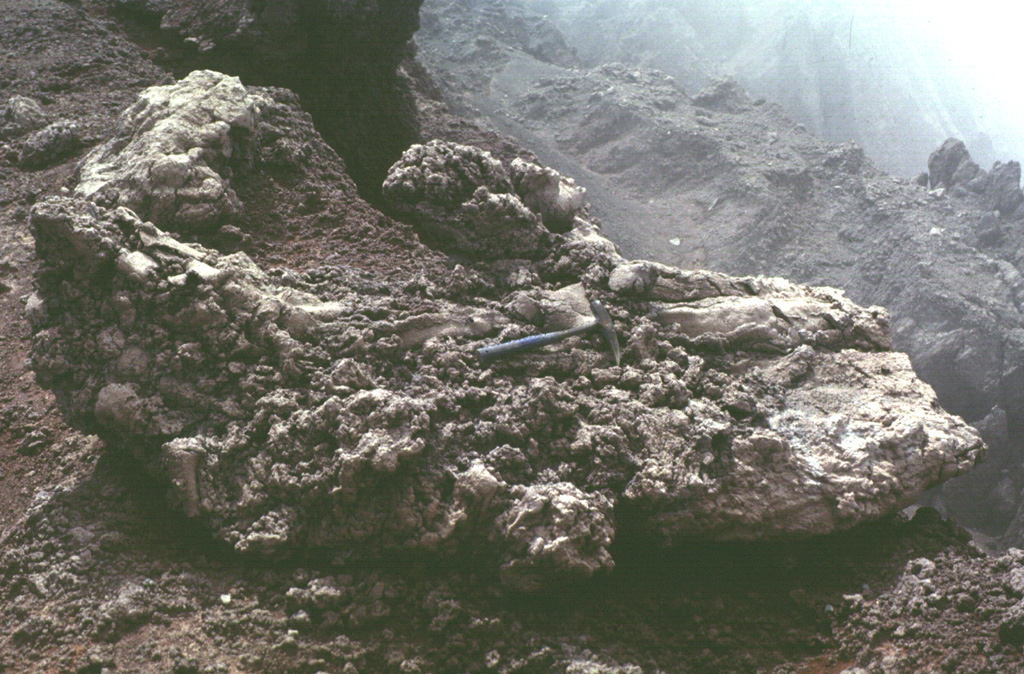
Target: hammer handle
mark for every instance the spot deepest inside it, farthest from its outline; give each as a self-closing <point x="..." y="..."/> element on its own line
<point x="489" y="353"/>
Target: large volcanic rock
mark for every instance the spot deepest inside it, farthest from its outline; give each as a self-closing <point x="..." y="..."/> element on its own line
<point x="174" y="153"/>
<point x="96" y="573"/>
<point x="328" y="411"/>
<point x="730" y="183"/>
<point x="951" y="164"/>
<point x="465" y="200"/>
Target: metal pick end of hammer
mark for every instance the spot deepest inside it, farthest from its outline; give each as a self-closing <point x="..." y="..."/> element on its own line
<point x="607" y="328"/>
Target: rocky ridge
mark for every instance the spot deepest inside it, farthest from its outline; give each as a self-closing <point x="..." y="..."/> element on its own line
<point x="830" y="67"/>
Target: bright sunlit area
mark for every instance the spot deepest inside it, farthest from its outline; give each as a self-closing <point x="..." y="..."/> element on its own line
<point x="978" y="43"/>
<point x="896" y="77"/>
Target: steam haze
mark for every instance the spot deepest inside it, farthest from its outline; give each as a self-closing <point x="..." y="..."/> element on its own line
<point x="898" y="78"/>
<point x="978" y="45"/>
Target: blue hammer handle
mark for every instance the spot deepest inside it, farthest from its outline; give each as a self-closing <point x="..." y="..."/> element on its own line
<point x="489" y="353"/>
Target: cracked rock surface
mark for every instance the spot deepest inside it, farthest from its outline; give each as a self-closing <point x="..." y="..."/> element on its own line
<point x="462" y="198"/>
<point x="175" y="151"/>
<point x="322" y="411"/>
<point x="722" y="180"/>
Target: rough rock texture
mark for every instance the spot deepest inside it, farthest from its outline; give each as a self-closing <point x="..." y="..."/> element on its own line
<point x="49" y="145"/>
<point x="324" y="412"/>
<point x="175" y="152"/>
<point x="100" y="571"/>
<point x="462" y="199"/>
<point x="19" y="115"/>
<point x="543" y="190"/>
<point x="287" y="418"/>
<point x="743" y="189"/>
<point x="1003" y="188"/>
<point x="55" y="64"/>
<point x="949" y="612"/>
<point x="948" y="160"/>
<point x="341" y="57"/>
<point x="950" y="166"/>
<point x="93" y="576"/>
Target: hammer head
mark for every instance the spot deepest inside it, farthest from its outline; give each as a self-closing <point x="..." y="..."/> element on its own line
<point x="604" y="324"/>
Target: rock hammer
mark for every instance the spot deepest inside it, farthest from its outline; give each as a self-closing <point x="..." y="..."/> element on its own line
<point x="602" y="321"/>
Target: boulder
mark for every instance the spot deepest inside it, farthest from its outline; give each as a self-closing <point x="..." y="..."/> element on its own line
<point x="1003" y="187"/>
<point x="19" y="115"/>
<point x="944" y="162"/>
<point x="965" y="172"/>
<point x="462" y="199"/>
<point x="724" y="94"/>
<point x="175" y="151"/>
<point x="48" y="145"/>
<point x="290" y="420"/>
<point x="950" y="166"/>
<point x="340" y="410"/>
<point x="989" y="230"/>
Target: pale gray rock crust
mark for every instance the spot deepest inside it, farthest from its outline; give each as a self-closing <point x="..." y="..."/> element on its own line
<point x="744" y="409"/>
<point x="175" y="151"/>
<point x="327" y="411"/>
<point x="543" y="190"/>
<point x="462" y="198"/>
<point x="19" y="115"/>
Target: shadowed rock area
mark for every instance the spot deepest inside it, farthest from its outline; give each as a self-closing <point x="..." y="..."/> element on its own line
<point x="341" y="58"/>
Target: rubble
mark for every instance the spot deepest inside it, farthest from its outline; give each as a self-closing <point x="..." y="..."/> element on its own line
<point x="303" y="465"/>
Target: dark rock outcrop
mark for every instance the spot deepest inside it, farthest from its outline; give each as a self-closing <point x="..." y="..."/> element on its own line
<point x="1002" y="188"/>
<point x="951" y="166"/>
<point x="810" y="62"/>
<point x="950" y="160"/>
